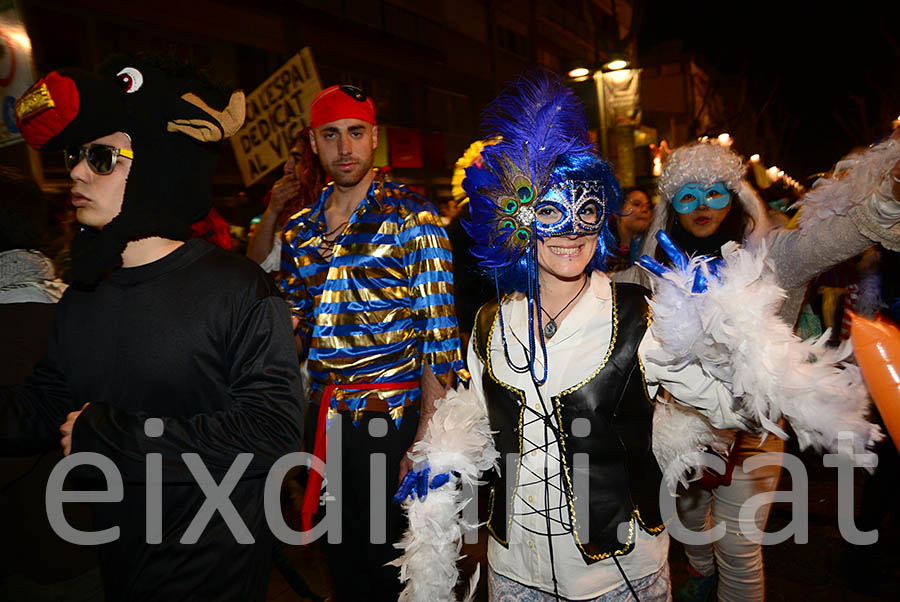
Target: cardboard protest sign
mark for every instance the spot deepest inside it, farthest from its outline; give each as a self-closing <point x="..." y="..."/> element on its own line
<point x="276" y="112"/>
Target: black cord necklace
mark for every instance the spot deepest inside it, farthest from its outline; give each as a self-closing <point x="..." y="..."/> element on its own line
<point x="550" y="327"/>
<point x="326" y="247"/>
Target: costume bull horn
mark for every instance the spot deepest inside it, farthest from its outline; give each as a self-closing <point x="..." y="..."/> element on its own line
<point x="226" y="123"/>
<point x="876" y="344"/>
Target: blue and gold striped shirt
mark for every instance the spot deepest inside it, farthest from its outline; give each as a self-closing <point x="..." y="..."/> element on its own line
<point x="383" y="305"/>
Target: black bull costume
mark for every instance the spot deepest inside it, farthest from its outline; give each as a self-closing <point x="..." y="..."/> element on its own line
<point x="171" y="118"/>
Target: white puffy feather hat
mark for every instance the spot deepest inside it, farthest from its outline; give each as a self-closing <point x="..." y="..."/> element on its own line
<point x="701" y="163"/>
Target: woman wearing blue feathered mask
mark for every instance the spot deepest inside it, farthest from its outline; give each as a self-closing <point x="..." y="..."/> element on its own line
<point x="562" y="364"/>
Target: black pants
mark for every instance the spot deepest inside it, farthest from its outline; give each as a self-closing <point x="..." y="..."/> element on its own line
<point x="357" y="566"/>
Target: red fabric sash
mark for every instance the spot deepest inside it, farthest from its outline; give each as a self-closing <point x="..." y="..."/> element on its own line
<point x="314" y="484"/>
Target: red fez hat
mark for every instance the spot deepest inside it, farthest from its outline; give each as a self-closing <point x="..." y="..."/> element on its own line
<point x="341" y="102"/>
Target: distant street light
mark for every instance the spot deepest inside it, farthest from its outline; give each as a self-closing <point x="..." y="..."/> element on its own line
<point x="614" y="71"/>
<point x="754" y="158"/>
<point x="579" y="72"/>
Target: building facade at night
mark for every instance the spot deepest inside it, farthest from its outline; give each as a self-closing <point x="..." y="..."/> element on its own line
<point x="430" y="66"/>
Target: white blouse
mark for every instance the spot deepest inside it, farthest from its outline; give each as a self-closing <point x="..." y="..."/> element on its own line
<point x="574" y="352"/>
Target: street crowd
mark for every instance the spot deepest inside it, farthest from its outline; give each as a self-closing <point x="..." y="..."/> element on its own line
<point x="163" y="376"/>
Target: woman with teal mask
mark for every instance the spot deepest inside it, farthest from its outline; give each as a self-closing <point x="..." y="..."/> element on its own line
<point x="706" y="203"/>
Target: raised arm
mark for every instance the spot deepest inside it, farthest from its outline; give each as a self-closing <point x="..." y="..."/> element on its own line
<point x="846" y="216"/>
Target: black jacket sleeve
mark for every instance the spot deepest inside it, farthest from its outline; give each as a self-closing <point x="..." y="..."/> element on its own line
<point x="31" y="414"/>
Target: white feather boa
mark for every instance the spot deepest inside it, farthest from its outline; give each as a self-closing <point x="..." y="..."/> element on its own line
<point x="458" y="440"/>
<point x="734" y="333"/>
<point x="680" y="434"/>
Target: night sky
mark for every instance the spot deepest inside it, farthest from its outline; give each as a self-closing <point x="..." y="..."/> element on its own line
<point x="806" y="82"/>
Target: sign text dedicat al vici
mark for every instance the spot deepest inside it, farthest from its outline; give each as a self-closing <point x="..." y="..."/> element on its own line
<point x="276" y="112"/>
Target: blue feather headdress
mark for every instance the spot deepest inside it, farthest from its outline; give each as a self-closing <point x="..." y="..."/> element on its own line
<point x="543" y="144"/>
<point x="543" y="152"/>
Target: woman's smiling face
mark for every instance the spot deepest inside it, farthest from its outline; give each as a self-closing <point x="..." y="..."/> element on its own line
<point x="566" y="257"/>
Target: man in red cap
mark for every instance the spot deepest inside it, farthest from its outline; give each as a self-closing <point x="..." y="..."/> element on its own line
<point x="368" y="273"/>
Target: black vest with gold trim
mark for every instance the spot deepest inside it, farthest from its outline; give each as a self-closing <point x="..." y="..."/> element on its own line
<point x="623" y="477"/>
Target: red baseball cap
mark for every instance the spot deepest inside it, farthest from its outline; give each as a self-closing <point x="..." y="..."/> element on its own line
<point x="341" y="102"/>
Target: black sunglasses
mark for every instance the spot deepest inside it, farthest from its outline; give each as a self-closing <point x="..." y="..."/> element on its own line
<point x="101" y="158"/>
<point x="354" y="92"/>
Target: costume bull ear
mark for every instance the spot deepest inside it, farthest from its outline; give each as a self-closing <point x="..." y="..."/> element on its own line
<point x="224" y="124"/>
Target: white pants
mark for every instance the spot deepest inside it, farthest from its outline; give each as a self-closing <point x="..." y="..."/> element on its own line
<point x="739" y="560"/>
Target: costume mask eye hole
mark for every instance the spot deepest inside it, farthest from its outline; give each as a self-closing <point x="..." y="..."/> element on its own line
<point x="131" y="79"/>
<point x="590" y="212"/>
<point x="548" y="214"/>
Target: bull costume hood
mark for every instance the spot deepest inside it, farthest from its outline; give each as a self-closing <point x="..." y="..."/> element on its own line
<point x="174" y="121"/>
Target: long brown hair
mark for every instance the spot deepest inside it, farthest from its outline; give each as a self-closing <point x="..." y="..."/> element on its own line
<point x="312" y="178"/>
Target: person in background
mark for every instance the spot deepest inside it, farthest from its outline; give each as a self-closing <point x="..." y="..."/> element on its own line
<point x="630" y="225"/>
<point x="471" y="287"/>
<point x="448" y="209"/>
<point x="35" y="563"/>
<point x="213" y="229"/>
<point x="303" y="179"/>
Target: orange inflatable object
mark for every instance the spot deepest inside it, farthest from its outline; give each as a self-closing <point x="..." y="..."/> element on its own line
<point x="876" y="344"/>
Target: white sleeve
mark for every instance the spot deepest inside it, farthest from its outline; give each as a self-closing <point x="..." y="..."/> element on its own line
<point x="272" y="262"/>
<point x="476" y="368"/>
<point x="690" y="385"/>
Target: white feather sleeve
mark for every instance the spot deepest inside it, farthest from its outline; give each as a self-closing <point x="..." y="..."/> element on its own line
<point x="855" y="179"/>
<point x="680" y="435"/>
<point x="458" y="439"/>
<point x="732" y="332"/>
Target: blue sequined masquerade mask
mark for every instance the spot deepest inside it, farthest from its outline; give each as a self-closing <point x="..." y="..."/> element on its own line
<point x="692" y="196"/>
<point x="569" y="207"/>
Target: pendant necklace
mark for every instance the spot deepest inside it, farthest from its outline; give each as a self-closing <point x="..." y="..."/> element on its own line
<point x="550" y="327"/>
